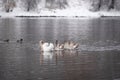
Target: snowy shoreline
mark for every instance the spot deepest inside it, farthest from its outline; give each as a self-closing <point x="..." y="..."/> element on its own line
<point x="61" y="14"/>
<point x="59" y="8"/>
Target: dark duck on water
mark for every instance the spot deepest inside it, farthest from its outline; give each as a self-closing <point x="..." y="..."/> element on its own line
<point x="20" y="40"/>
<point x="6" y="40"/>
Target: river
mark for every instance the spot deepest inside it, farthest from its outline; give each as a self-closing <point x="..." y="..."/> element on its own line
<point x="97" y="58"/>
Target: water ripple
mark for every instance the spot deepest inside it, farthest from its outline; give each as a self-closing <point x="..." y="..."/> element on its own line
<point x="99" y="48"/>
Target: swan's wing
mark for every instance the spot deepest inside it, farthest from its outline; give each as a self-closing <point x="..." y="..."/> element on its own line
<point x="51" y="45"/>
<point x="66" y="46"/>
<point x="46" y="47"/>
<point x="61" y="46"/>
<point x="76" y="46"/>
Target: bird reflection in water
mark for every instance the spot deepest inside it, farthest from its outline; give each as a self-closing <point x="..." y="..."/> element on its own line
<point x="53" y="57"/>
<point x="46" y="56"/>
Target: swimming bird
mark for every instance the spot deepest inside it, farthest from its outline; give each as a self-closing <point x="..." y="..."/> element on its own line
<point x="70" y="45"/>
<point x="46" y="46"/>
<point x="58" y="46"/>
<point x="20" y="40"/>
<point x="6" y="40"/>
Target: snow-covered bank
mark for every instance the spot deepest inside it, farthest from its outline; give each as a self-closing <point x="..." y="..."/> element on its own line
<point x="51" y="13"/>
<point x="59" y="8"/>
<point x="111" y="13"/>
<point x="75" y="13"/>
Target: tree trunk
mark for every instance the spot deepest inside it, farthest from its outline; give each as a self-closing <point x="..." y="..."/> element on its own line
<point x="96" y="5"/>
<point x="111" y="4"/>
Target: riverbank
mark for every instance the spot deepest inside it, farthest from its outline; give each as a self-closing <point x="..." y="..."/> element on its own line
<point x="61" y="13"/>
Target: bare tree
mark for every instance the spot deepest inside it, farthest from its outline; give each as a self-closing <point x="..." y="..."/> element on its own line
<point x="51" y="4"/>
<point x="8" y="5"/>
<point x="30" y="4"/>
<point x="111" y="4"/>
<point x="96" y="5"/>
<point x="62" y="3"/>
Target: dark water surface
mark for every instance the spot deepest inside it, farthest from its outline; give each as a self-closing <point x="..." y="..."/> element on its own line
<point x="98" y="56"/>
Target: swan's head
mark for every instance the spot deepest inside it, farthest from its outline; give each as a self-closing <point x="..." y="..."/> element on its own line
<point x="41" y="42"/>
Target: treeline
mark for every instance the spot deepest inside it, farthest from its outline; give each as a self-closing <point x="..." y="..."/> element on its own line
<point x="8" y="5"/>
<point x="97" y="5"/>
<point x="29" y="5"/>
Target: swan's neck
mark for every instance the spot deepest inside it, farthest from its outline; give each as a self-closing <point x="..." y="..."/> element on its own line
<point x="41" y="45"/>
<point x="56" y="43"/>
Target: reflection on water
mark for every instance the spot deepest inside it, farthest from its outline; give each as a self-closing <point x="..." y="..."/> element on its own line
<point x="45" y="56"/>
<point x="82" y="65"/>
<point x="97" y="57"/>
<point x="50" y="56"/>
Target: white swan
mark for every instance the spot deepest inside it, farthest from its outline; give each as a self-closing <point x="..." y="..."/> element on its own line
<point x="70" y="45"/>
<point x="58" y="46"/>
<point x="46" y="46"/>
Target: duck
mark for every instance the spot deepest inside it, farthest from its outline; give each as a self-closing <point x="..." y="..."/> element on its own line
<point x="46" y="46"/>
<point x="20" y="40"/>
<point x="6" y="40"/>
<point x="58" y="46"/>
<point x="70" y="45"/>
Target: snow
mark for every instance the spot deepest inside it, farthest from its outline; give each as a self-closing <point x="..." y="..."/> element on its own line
<point x="110" y="13"/>
<point x="76" y="9"/>
<point x="68" y="12"/>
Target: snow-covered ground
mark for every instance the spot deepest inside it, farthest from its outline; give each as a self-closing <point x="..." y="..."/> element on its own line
<point x="69" y="12"/>
<point x="76" y="8"/>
